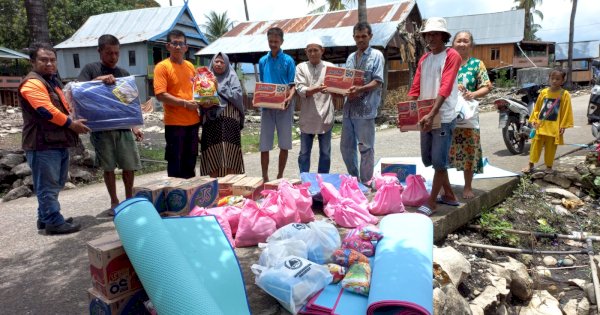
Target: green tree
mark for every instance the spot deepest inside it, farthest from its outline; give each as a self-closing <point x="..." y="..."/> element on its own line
<point x="64" y="18"/>
<point x="217" y="25"/>
<point x="334" y="5"/>
<point x="530" y="26"/>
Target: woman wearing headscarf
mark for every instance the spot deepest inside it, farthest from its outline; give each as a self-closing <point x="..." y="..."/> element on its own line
<point x="473" y="82"/>
<point x="220" y="143"/>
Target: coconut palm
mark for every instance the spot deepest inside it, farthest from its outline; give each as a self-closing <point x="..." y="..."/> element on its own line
<point x="530" y="11"/>
<point x="37" y="21"/>
<point x="570" y="53"/>
<point x="216" y="25"/>
<point x="334" y="5"/>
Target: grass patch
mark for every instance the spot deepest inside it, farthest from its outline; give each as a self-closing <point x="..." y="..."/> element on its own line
<point x="157" y="155"/>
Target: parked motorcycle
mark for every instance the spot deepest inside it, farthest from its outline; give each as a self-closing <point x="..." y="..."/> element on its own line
<point x="514" y="115"/>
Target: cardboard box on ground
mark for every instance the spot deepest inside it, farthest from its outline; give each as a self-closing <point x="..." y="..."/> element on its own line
<point x="226" y="184"/>
<point x="274" y="184"/>
<point x="249" y="187"/>
<point x="131" y="303"/>
<point x="111" y="271"/>
<point x="177" y="196"/>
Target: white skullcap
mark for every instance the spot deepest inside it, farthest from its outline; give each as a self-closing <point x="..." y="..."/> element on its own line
<point x="315" y="40"/>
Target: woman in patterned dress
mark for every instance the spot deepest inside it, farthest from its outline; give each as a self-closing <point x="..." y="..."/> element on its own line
<point x="220" y="143"/>
<point x="473" y="82"/>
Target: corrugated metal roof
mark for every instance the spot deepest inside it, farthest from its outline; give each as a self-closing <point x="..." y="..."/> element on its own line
<point x="491" y="28"/>
<point x="131" y="26"/>
<point x="334" y="29"/>
<point x="6" y="53"/>
<point x="581" y="50"/>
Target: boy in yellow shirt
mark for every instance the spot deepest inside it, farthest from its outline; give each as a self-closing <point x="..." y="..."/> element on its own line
<point x="551" y="115"/>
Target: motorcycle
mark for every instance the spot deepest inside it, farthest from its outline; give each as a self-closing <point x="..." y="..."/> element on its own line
<point x="514" y="116"/>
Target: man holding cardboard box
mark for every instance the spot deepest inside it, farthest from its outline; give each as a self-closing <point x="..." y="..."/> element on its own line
<point x="360" y="108"/>
<point x="436" y="79"/>
<point x="279" y="68"/>
<point x="173" y="86"/>
<point x="316" y="110"/>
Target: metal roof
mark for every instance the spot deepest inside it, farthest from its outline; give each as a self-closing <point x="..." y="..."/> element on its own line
<point x="581" y="50"/>
<point x="334" y="29"/>
<point x="491" y="28"/>
<point x="6" y="53"/>
<point x="133" y="26"/>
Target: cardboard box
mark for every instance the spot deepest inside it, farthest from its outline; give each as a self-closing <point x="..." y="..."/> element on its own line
<point x="401" y="170"/>
<point x="339" y="80"/>
<point x="269" y="95"/>
<point x="196" y="191"/>
<point x="411" y="112"/>
<point x="111" y="271"/>
<point x="132" y="303"/>
<point x="249" y="187"/>
<point x="155" y="192"/>
<point x="274" y="184"/>
<point x="226" y="184"/>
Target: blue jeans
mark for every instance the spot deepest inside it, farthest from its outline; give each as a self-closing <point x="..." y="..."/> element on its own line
<point x="358" y="135"/>
<point x="49" y="169"/>
<point x="435" y="146"/>
<point x="306" y="143"/>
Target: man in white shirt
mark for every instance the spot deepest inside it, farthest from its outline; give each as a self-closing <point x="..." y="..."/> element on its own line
<point x="316" y="107"/>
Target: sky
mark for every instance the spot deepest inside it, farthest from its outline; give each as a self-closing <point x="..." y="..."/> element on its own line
<point x="555" y="25"/>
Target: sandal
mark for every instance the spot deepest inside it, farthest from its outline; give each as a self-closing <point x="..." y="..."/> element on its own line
<point x="453" y="203"/>
<point x="426" y="210"/>
<point x="528" y="170"/>
<point x="548" y="171"/>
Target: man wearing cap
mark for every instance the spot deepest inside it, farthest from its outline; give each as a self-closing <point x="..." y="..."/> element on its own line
<point x="436" y="79"/>
<point x="360" y="108"/>
<point x="316" y="107"/>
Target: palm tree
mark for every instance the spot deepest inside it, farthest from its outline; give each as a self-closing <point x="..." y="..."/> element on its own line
<point x="530" y="11"/>
<point x="334" y="5"/>
<point x="37" y="21"/>
<point x="570" y="53"/>
<point x="217" y="25"/>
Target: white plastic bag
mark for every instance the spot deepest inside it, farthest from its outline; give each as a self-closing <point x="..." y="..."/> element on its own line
<point x="298" y="231"/>
<point x="275" y="251"/>
<point x="325" y="240"/>
<point x="292" y="281"/>
<point x="467" y="113"/>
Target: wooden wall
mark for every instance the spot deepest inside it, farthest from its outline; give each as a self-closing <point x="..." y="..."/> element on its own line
<point x="484" y="53"/>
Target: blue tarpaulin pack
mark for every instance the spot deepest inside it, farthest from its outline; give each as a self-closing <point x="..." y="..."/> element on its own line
<point x="106" y="106"/>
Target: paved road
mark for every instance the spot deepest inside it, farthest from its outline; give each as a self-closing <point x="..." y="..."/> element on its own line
<point x="50" y="274"/>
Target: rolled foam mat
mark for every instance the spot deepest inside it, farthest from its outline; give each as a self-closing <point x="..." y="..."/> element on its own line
<point x="186" y="265"/>
<point x="402" y="277"/>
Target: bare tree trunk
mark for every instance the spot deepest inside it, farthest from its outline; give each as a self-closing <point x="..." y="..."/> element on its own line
<point x="246" y="9"/>
<point x="37" y="21"/>
<point x="570" y="53"/>
<point x="362" y="11"/>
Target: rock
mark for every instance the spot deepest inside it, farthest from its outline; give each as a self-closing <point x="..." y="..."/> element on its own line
<point x="576" y="191"/>
<point x="558" y="180"/>
<point x="572" y="257"/>
<point x="588" y="199"/>
<point x="453" y="263"/>
<point x="560" y="210"/>
<point x="570" y="308"/>
<point x="542" y="303"/>
<point x="69" y="186"/>
<point x="538" y="175"/>
<point x="583" y="307"/>
<point x="476" y="292"/>
<point x="28" y="181"/>
<point x="6" y="175"/>
<point x="521" y="285"/>
<point x="475" y="310"/>
<point x="526" y="259"/>
<point x="543" y="271"/>
<point x="560" y="193"/>
<point x="439" y="301"/>
<point x="81" y="175"/>
<point x="501" y="310"/>
<point x="556" y="202"/>
<point x="549" y="261"/>
<point x="89" y="158"/>
<point x="488" y="299"/>
<point x="499" y="283"/>
<point x="568" y="262"/>
<point x="490" y="254"/>
<point x="589" y="292"/>
<point x="22" y="170"/>
<point x="578" y="282"/>
<point x="17" y="183"/>
<point x="11" y="160"/>
<point x="21" y="191"/>
<point x="455" y="303"/>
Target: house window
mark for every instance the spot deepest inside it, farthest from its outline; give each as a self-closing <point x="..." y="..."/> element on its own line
<point x="76" y="61"/>
<point x="495" y="54"/>
<point x="132" y="58"/>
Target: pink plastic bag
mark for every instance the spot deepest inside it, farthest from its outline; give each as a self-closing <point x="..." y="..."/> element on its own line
<point x="301" y="197"/>
<point x="379" y="179"/>
<point x="347" y="213"/>
<point x="328" y="191"/>
<point x="282" y="207"/>
<point x="415" y="194"/>
<point x="256" y="224"/>
<point x="349" y="189"/>
<point x="388" y="198"/>
<point x="230" y="212"/>
<point x="221" y="219"/>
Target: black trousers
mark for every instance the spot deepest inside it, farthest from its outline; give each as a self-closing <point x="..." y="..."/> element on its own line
<point x="181" y="150"/>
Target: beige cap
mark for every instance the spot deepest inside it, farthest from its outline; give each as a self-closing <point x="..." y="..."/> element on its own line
<point x="435" y="24"/>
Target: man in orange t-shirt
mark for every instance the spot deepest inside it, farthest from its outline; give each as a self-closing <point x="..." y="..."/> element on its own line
<point x="173" y="86"/>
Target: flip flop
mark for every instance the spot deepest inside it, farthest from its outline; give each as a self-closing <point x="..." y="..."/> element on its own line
<point x="454" y="203"/>
<point x="528" y="171"/>
<point x="426" y="210"/>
